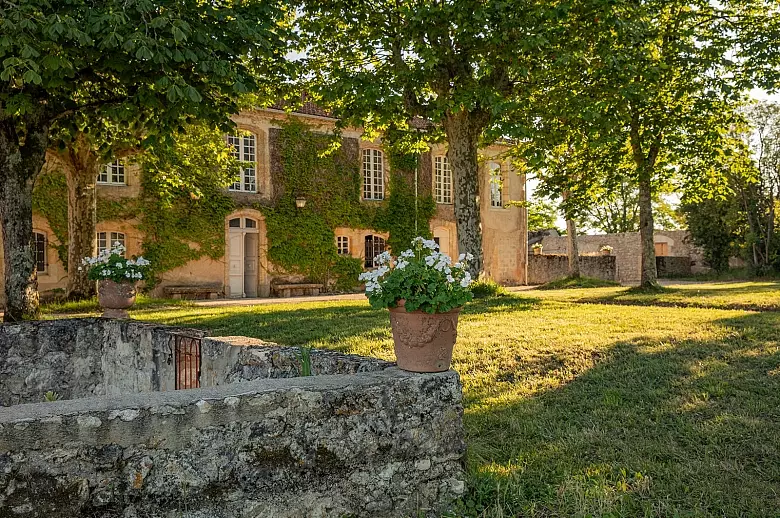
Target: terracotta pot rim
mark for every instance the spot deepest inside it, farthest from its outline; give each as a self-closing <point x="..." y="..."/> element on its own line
<point x="401" y="309"/>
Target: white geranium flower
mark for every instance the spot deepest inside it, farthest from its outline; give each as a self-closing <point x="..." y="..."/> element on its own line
<point x="401" y="264"/>
<point x="450" y="279"/>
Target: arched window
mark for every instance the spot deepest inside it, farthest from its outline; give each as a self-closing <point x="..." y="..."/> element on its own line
<point x="496" y="185"/>
<point x="342" y="245"/>
<point x="244" y="148"/>
<point x="40" y="245"/>
<point x="113" y="174"/>
<point x="373" y="175"/>
<point x="375" y="245"/>
<point x="442" y="178"/>
<point x="106" y="240"/>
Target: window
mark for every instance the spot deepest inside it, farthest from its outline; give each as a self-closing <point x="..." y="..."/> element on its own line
<point x="106" y="240"/>
<point x="373" y="175"/>
<point x="114" y="173"/>
<point x="244" y="148"/>
<point x="342" y="245"/>
<point x="375" y="245"/>
<point x="442" y="179"/>
<point x="39" y="250"/>
<point x="496" y="185"/>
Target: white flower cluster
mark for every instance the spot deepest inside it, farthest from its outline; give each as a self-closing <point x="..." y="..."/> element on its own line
<point x="130" y="267"/>
<point x="428" y="251"/>
<point x="372" y="278"/>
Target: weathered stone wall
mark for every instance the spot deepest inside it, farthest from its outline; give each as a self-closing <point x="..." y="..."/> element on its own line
<point x="386" y="443"/>
<point x="546" y="268"/>
<point x="627" y="250"/>
<point x="673" y="266"/>
<point x="83" y="357"/>
<point x="233" y="359"/>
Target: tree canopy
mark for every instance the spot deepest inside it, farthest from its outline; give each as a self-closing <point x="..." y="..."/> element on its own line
<point x="86" y="68"/>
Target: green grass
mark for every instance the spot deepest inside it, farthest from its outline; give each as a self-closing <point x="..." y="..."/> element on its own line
<point x="579" y="282"/>
<point x="587" y="409"/>
<point x="91" y="307"/>
<point x="755" y="296"/>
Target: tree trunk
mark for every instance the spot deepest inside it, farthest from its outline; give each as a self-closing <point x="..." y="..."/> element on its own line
<point x="463" y="131"/>
<point x="573" y="248"/>
<point x="649" y="272"/>
<point x="82" y="207"/>
<point x="81" y="165"/>
<point x="19" y="166"/>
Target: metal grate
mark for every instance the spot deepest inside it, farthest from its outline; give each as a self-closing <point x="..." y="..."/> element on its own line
<point x="187" y="355"/>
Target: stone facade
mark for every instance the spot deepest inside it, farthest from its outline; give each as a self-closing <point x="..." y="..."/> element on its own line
<point x="358" y="438"/>
<point x="504" y="229"/>
<point x="546" y="268"/>
<point x="627" y="250"/>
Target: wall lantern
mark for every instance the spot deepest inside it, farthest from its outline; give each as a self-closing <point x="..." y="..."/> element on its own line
<point x="300" y="202"/>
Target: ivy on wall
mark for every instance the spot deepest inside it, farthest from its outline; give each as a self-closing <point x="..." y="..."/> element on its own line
<point x="49" y="202"/>
<point x="327" y="174"/>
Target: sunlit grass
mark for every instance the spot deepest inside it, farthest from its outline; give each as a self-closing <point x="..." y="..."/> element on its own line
<point x="596" y="409"/>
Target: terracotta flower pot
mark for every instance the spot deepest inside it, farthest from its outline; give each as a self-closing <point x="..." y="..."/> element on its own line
<point x="606" y="252"/>
<point x="537" y="251"/>
<point x="423" y="341"/>
<point x="116" y="298"/>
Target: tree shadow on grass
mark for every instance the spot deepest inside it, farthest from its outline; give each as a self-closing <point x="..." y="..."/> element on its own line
<point x="692" y="297"/>
<point x="343" y="326"/>
<point x="654" y="428"/>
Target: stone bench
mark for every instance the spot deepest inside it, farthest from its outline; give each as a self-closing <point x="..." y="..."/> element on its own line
<point x="296" y="290"/>
<point x="192" y="292"/>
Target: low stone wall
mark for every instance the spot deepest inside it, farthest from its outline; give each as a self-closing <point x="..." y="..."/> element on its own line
<point x="628" y="251"/>
<point x="233" y="359"/>
<point x="385" y="443"/>
<point x="546" y="268"/>
<point x="84" y="357"/>
<point x="358" y="438"/>
<point x="673" y="266"/>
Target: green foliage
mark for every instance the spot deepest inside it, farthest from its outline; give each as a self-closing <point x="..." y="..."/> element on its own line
<point x="420" y="276"/>
<point x="484" y="288"/>
<point x="711" y="223"/>
<point x="304" y="354"/>
<point x="183" y="204"/>
<point x="326" y="172"/>
<point x="542" y="215"/>
<point x="51" y="396"/>
<point x="398" y="218"/>
<point x="345" y="271"/>
<point x="50" y="200"/>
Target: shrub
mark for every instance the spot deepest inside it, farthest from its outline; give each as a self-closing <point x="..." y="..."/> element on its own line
<point x="484" y="288"/>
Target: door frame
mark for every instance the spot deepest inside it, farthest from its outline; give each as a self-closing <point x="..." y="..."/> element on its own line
<point x="263" y="277"/>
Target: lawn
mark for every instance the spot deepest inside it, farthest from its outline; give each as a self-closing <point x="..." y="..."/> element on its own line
<point x="588" y="409"/>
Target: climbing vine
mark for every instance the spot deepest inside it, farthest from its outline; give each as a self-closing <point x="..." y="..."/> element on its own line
<point x="326" y="173"/>
<point x="49" y="202"/>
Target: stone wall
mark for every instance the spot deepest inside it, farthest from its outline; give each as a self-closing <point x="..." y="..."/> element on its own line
<point x="385" y="443"/>
<point x="233" y="359"/>
<point x="358" y="438"/>
<point x="627" y="250"/>
<point x="84" y="357"/>
<point x="546" y="268"/>
<point x="673" y="266"/>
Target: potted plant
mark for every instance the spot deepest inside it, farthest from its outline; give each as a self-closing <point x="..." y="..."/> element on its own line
<point x="606" y="250"/>
<point x="537" y="248"/>
<point x="117" y="279"/>
<point x="424" y="292"/>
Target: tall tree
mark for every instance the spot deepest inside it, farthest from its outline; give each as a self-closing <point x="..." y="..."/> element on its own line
<point x="461" y="64"/>
<point x="147" y="64"/>
<point x="660" y="82"/>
